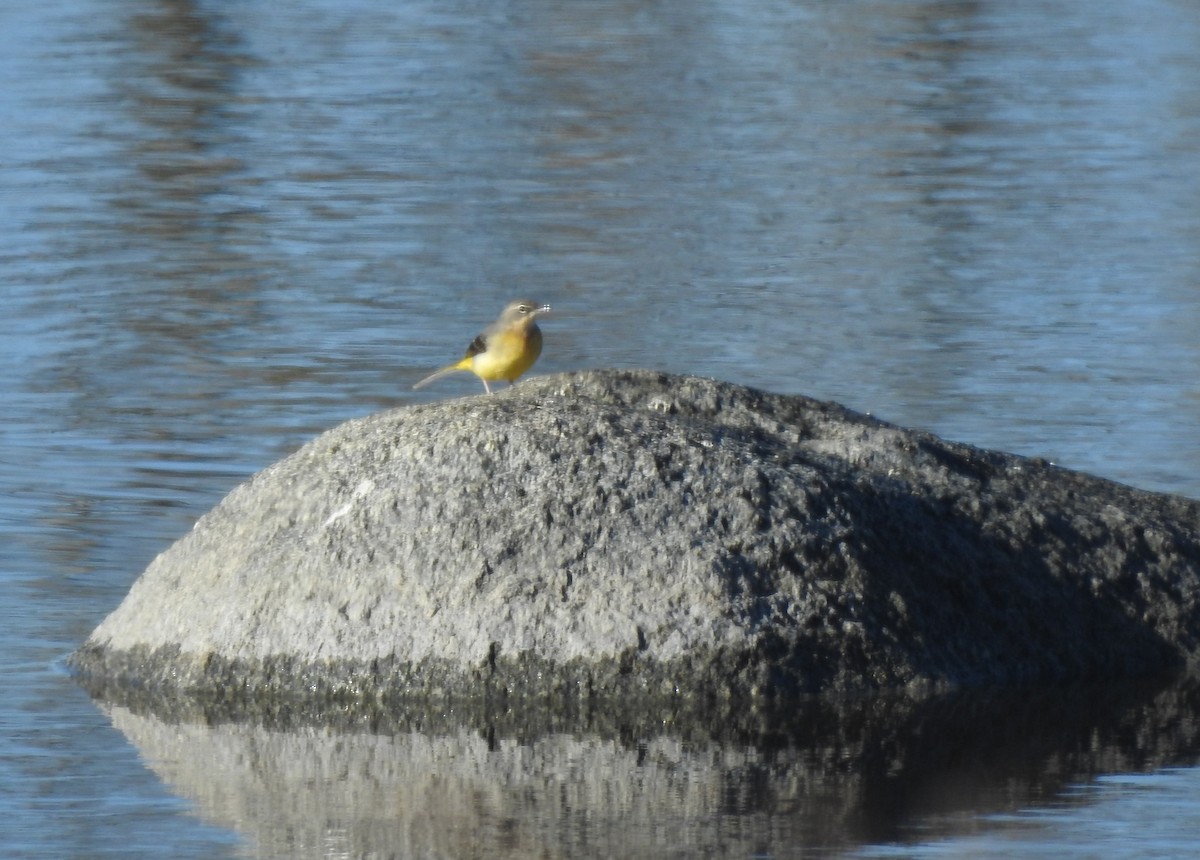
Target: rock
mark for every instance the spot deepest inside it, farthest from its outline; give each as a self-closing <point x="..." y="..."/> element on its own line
<point x="605" y="535"/>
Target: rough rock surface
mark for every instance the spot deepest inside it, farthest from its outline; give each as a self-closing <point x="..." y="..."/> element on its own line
<point x="632" y="533"/>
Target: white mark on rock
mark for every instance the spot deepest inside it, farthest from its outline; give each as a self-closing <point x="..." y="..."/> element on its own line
<point x="365" y="487"/>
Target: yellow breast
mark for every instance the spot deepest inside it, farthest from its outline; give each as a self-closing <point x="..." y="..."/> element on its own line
<point x="509" y="354"/>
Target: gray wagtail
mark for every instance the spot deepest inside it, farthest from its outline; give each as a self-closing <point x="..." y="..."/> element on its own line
<point x="506" y="349"/>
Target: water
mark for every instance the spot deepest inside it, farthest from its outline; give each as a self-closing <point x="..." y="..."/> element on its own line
<point x="1104" y="818"/>
<point x="227" y="227"/>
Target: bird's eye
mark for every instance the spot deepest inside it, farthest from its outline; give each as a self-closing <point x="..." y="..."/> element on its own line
<point x="524" y="309"/>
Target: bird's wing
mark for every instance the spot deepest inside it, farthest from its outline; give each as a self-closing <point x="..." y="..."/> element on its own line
<point x="477" y="346"/>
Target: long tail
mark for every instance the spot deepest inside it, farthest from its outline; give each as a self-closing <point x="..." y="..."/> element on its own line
<point x="465" y="364"/>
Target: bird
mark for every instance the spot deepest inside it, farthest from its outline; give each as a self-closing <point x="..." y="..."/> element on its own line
<point x="505" y="349"/>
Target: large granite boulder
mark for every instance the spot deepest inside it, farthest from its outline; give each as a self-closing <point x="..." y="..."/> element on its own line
<point x="612" y="535"/>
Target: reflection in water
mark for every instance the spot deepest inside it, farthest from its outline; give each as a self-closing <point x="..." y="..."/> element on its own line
<point x="182" y="276"/>
<point x="821" y="778"/>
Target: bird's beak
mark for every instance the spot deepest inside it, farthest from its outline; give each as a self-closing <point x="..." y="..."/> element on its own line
<point x="544" y="309"/>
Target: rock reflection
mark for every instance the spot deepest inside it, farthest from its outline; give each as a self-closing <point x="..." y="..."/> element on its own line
<point x="812" y="778"/>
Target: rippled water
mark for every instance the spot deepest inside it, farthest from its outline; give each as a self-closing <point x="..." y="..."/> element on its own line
<point x="226" y="227"/>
